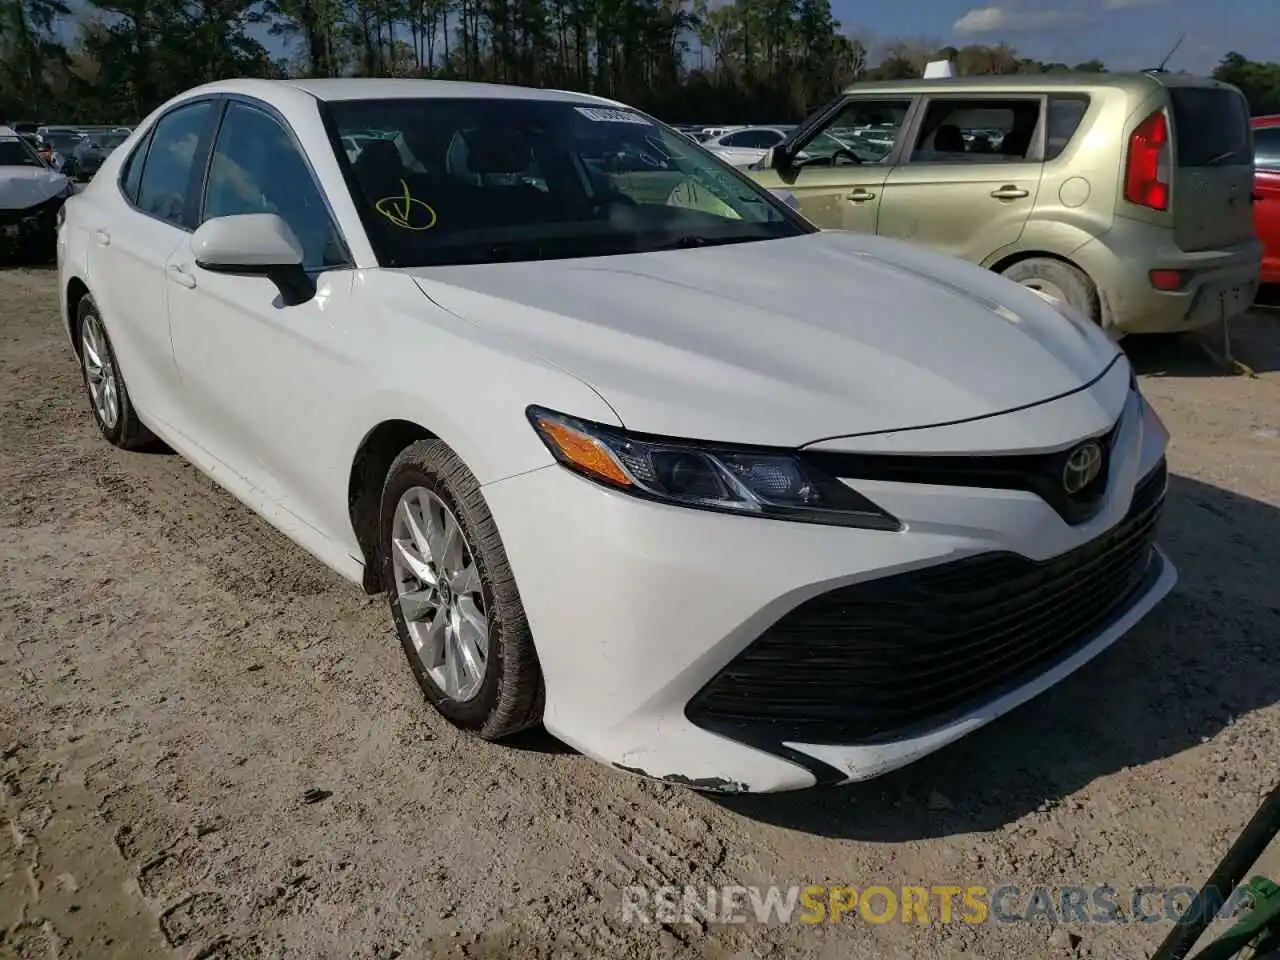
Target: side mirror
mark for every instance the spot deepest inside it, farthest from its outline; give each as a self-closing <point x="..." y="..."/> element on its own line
<point x="255" y="245"/>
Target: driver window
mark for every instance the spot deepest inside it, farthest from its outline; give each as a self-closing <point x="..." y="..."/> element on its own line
<point x="862" y="132"/>
<point x="256" y="168"/>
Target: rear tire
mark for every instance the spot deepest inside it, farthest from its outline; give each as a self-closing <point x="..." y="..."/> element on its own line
<point x="435" y="529"/>
<point x="1058" y="279"/>
<point x="109" y="399"/>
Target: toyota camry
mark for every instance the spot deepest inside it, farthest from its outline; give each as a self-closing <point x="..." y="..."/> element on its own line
<point x="634" y="450"/>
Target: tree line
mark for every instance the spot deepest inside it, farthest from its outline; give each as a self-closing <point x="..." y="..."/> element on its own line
<point x="683" y="60"/>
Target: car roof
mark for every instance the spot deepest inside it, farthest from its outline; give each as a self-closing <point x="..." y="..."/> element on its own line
<point x="1267" y="120"/>
<point x="1035" y="81"/>
<point x="283" y="93"/>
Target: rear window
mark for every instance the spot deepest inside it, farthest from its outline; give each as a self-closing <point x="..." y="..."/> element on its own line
<point x="1266" y="145"/>
<point x="1212" y="127"/>
<point x="1065" y="114"/>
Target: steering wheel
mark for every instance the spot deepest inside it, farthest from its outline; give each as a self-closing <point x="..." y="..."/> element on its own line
<point x="844" y="152"/>
<point x="831" y="157"/>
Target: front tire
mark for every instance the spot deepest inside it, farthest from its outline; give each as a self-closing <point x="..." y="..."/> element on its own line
<point x="1060" y="280"/>
<point x="453" y="596"/>
<point x="109" y="399"/>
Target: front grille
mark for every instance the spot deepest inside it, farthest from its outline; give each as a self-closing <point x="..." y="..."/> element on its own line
<point x="875" y="660"/>
<point x="1038" y="473"/>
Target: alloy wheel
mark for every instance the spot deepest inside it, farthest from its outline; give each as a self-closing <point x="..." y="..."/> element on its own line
<point x="100" y="372"/>
<point x="438" y="588"/>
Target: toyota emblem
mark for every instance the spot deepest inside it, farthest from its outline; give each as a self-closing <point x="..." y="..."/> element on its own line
<point x="1082" y="466"/>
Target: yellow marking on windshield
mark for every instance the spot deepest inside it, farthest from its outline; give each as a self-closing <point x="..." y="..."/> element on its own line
<point x="406" y="211"/>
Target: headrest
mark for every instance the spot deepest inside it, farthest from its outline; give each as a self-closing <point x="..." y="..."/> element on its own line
<point x="491" y="150"/>
<point x="379" y="156"/>
<point x="948" y="139"/>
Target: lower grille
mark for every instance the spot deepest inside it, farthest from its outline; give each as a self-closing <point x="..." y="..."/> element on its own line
<point x="874" y="660"/>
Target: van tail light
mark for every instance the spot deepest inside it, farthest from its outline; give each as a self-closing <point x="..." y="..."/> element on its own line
<point x="1146" y="171"/>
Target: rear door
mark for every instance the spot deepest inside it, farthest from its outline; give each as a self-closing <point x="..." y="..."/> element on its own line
<point x="1266" y="189"/>
<point x="1213" y="167"/>
<point x="133" y="227"/>
<point x="970" y="180"/>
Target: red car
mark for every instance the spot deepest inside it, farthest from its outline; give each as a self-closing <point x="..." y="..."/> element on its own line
<point x="1266" y="208"/>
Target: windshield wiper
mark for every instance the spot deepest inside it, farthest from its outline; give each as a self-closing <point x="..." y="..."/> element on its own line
<point x="690" y="240"/>
<point x="1214" y="161"/>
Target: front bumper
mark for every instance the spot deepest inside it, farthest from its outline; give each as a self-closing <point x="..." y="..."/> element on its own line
<point x="31" y="229"/>
<point x="637" y="607"/>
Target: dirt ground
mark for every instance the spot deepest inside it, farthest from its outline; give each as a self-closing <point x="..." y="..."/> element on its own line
<point x="211" y="747"/>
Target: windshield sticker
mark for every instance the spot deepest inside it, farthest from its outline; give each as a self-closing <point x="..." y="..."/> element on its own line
<point x="600" y="115"/>
<point x="406" y="211"/>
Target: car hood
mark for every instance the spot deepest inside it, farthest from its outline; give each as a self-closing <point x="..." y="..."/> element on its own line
<point x="783" y="342"/>
<point x="22" y="187"/>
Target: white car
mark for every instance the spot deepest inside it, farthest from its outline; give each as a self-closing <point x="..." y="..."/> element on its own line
<point x="31" y="195"/>
<point x="745" y="146"/>
<point x="717" y="497"/>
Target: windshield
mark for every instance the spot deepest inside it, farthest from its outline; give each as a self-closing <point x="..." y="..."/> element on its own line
<point x="62" y="142"/>
<point x="15" y="152"/>
<point x="477" y="180"/>
<point x="112" y="140"/>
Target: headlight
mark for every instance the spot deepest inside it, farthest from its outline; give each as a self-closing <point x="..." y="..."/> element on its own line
<point x="766" y="483"/>
<point x="68" y="190"/>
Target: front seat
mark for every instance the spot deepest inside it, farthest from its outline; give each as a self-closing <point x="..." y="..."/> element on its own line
<point x="948" y="139"/>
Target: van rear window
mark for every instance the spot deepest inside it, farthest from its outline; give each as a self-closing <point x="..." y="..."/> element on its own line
<point x="1212" y="127"/>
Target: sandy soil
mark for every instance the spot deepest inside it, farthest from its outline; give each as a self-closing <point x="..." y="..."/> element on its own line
<point x="210" y="746"/>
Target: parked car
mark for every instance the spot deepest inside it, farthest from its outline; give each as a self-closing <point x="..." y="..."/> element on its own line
<point x="1126" y="195"/>
<point x="95" y="148"/>
<point x="31" y="195"/>
<point x="720" y="498"/>
<point x="63" y="143"/>
<point x="1266" y="190"/>
<point x="746" y="146"/>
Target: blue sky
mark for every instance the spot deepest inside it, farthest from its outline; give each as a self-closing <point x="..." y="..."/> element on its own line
<point x="1124" y="34"/>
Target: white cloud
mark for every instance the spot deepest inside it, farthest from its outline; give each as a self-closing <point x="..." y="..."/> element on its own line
<point x="1130" y="4"/>
<point x="995" y="18"/>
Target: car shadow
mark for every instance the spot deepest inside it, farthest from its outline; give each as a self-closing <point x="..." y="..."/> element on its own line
<point x="1205" y="656"/>
<point x="20" y="263"/>
<point x="1255" y="342"/>
<point x="537" y="740"/>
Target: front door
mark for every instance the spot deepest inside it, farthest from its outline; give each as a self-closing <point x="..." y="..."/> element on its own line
<point x="265" y="380"/>
<point x="837" y="170"/>
<point x="969" y="181"/>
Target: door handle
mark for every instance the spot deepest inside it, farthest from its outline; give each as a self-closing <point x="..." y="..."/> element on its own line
<point x="860" y="195"/>
<point x="181" y="277"/>
<point x="102" y="238"/>
<point x="1010" y="192"/>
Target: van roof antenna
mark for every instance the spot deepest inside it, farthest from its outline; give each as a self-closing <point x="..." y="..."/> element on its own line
<point x="1167" y="57"/>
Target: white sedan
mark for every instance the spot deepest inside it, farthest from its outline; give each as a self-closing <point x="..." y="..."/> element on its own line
<point x="637" y="454"/>
<point x="745" y="146"/>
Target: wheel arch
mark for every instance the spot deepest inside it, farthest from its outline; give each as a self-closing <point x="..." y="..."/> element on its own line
<point x="76" y="291"/>
<point x="369" y="467"/>
<point x="1000" y="266"/>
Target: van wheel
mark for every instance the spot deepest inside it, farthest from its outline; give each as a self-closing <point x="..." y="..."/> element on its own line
<point x="1057" y="279"/>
